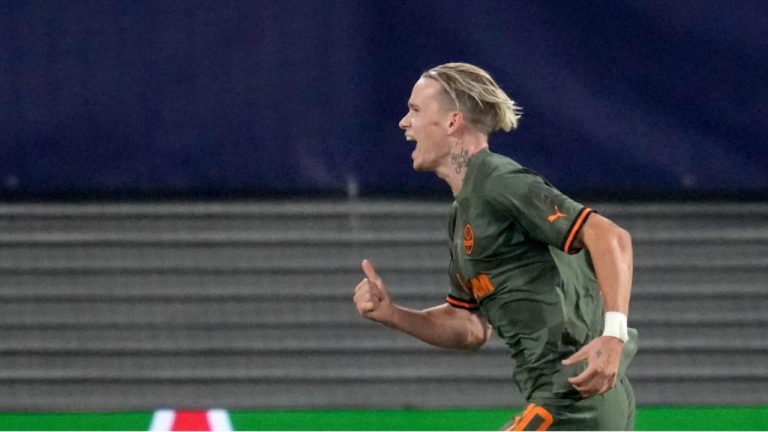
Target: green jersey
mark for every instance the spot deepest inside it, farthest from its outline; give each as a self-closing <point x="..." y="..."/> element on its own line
<point x="513" y="257"/>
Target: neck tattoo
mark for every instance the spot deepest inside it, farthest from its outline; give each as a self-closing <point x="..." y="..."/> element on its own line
<point x="460" y="160"/>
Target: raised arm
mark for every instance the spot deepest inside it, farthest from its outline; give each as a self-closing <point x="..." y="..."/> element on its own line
<point x="443" y="326"/>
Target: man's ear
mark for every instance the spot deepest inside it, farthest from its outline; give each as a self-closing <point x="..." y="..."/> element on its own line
<point x="456" y="122"/>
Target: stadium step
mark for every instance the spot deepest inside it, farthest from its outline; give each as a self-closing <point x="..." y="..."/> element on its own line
<point x="248" y="304"/>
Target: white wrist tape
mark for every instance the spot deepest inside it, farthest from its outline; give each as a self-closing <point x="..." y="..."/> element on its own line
<point x="616" y="325"/>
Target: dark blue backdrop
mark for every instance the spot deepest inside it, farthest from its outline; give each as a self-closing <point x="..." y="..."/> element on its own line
<point x="162" y="98"/>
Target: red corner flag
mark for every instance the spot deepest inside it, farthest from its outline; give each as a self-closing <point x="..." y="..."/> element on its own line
<point x="211" y="420"/>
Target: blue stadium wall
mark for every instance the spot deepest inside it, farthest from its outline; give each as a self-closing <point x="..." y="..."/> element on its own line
<point x="175" y="98"/>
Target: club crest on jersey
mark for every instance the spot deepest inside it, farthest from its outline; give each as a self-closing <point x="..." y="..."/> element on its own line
<point x="469" y="239"/>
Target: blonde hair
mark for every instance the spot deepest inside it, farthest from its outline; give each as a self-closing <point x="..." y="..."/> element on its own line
<point x="477" y="96"/>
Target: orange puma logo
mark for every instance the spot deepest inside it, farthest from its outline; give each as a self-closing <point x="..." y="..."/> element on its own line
<point x="556" y="215"/>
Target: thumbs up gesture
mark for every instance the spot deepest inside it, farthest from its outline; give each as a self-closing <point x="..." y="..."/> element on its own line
<point x="371" y="297"/>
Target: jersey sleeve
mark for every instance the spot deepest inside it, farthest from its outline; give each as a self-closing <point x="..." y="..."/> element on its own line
<point x="545" y="213"/>
<point x="459" y="295"/>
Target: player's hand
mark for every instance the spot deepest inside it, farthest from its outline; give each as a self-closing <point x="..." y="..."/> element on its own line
<point x="603" y="356"/>
<point x="371" y="297"/>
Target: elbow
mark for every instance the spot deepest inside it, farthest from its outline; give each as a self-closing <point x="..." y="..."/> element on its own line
<point x="600" y="235"/>
<point x="477" y="338"/>
<point x="605" y="239"/>
<point x="622" y="248"/>
<point x="473" y="344"/>
<point x="623" y="238"/>
<point x="606" y="235"/>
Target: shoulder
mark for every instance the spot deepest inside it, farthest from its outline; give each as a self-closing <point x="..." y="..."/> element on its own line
<point x="498" y="162"/>
<point x="493" y="168"/>
<point x="501" y="175"/>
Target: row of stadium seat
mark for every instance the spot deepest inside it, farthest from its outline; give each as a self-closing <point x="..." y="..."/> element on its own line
<point x="248" y="305"/>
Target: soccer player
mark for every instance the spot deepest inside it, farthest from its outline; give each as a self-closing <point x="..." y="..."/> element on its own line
<point x="549" y="275"/>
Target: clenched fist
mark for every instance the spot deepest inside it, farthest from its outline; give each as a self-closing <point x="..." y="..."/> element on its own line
<point x="371" y="297"/>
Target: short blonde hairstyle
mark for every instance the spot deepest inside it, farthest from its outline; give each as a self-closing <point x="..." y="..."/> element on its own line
<point x="477" y="96"/>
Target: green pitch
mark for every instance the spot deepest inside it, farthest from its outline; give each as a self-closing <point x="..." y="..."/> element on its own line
<point x="648" y="418"/>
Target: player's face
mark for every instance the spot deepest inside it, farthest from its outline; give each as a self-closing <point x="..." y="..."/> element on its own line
<point x="426" y="124"/>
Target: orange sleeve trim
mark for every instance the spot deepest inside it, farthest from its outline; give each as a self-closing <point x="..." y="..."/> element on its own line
<point x="575" y="228"/>
<point x="453" y="301"/>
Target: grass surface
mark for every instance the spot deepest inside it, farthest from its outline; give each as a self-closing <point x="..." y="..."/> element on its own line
<point x="648" y="418"/>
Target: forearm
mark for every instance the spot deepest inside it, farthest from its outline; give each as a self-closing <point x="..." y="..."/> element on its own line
<point x="442" y="326"/>
<point x="613" y="264"/>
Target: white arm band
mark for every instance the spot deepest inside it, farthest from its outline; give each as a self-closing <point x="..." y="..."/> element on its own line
<point x="616" y="325"/>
